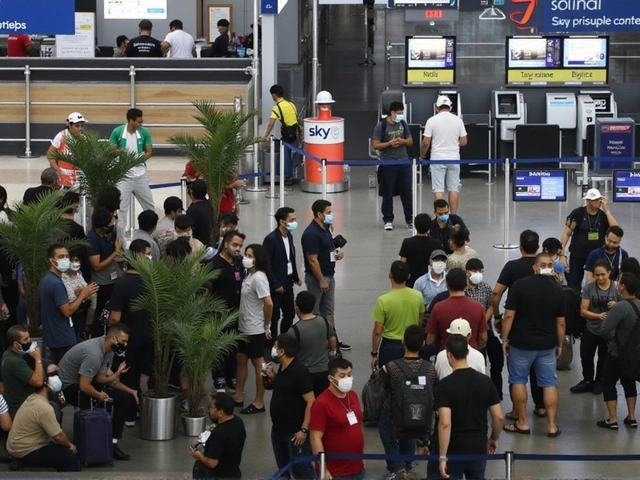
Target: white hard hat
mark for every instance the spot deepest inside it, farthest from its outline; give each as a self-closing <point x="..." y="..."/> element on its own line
<point x="324" y="97"/>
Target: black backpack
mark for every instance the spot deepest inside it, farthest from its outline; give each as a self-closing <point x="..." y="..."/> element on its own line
<point x="412" y="402"/>
<point x="629" y="353"/>
<point x="575" y="324"/>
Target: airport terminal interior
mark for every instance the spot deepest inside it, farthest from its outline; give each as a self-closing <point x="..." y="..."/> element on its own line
<point x="363" y="274"/>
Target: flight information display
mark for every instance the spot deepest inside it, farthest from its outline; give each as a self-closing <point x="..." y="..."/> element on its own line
<point x="535" y="52"/>
<point x="437" y="52"/>
<point x="540" y="185"/>
<point x="586" y="52"/>
<point x="626" y="185"/>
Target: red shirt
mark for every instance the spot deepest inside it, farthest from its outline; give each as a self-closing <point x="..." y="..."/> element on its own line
<point x="228" y="200"/>
<point x="329" y="415"/>
<point x="17" y="45"/>
<point x="448" y="310"/>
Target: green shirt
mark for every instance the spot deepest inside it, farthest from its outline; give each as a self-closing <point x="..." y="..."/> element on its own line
<point x="16" y="375"/>
<point x="397" y="310"/>
<point x="119" y="138"/>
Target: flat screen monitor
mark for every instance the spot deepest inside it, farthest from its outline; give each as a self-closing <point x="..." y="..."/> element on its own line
<point x="135" y="9"/>
<point x="626" y="186"/>
<point x="585" y="52"/>
<point x="431" y="52"/>
<point x="507" y="105"/>
<point x="540" y="185"/>
<point x="533" y="52"/>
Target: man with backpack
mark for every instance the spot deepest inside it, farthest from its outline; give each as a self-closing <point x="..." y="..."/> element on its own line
<point x="391" y="137"/>
<point x="621" y="328"/>
<point x="408" y="414"/>
<point x="462" y="401"/>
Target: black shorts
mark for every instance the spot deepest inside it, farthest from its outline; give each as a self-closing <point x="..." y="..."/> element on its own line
<point x="253" y="347"/>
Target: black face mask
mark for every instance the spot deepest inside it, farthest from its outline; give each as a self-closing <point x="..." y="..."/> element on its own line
<point x="119" y="348"/>
<point x="25" y="347"/>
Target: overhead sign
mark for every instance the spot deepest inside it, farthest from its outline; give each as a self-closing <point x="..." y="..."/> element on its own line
<point x="37" y="17"/>
<point x="272" y="7"/>
<point x="135" y="9"/>
<point x="429" y="4"/>
<point x="590" y="15"/>
<point x="557" y="77"/>
<point x="433" y="77"/>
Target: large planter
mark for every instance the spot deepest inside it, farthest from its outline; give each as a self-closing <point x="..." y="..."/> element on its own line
<point x="158" y="417"/>
<point x="193" y="426"/>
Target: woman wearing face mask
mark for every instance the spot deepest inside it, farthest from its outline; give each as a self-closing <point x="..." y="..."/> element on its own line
<point x="256" y="307"/>
<point x="433" y="282"/>
<point x="74" y="282"/>
<point x="5" y="212"/>
<point x="462" y="253"/>
<point x="104" y="249"/>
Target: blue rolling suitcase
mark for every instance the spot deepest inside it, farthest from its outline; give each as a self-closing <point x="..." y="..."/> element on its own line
<point x="93" y="436"/>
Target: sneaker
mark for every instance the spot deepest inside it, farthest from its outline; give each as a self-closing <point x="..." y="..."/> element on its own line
<point x="409" y="226"/>
<point x="119" y="454"/>
<point x="582" y="387"/>
<point x="388" y="226"/>
<point x="344" y="346"/>
<point x="220" y="385"/>
<point x="597" y="387"/>
<point x="130" y="424"/>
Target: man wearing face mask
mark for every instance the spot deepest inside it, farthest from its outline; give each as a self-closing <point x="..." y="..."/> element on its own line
<point x="391" y="137"/>
<point x="20" y="380"/>
<point x="336" y="423"/>
<point x="320" y="257"/>
<point x="55" y="309"/>
<point x="35" y="426"/>
<point x="290" y="407"/>
<point x="532" y="333"/>
<point x="433" y="282"/>
<point x="284" y="270"/>
<point x="443" y="222"/>
<point x="228" y="262"/>
<point x="183" y="228"/>
<point x="86" y="376"/>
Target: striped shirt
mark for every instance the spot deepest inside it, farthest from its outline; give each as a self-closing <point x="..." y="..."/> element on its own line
<point x="3" y="406"/>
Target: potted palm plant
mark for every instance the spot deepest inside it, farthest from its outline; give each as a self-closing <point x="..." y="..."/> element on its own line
<point x="33" y="228"/>
<point x="216" y="153"/>
<point x="101" y="163"/>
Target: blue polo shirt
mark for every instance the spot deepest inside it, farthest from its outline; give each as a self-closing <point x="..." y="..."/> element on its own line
<point x="614" y="260"/>
<point x="57" y="331"/>
<point x="319" y="241"/>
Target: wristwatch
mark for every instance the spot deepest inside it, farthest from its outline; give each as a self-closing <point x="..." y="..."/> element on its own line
<point x="374" y="354"/>
<point x="498" y="317"/>
<point x="304" y="430"/>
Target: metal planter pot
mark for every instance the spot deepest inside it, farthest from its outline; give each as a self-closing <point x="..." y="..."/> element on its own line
<point x="193" y="426"/>
<point x="158" y="417"/>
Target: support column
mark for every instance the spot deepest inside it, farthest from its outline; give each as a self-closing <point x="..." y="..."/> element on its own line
<point x="269" y="64"/>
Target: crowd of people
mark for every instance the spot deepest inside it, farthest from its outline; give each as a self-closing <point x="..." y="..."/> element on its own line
<point x="435" y="331"/>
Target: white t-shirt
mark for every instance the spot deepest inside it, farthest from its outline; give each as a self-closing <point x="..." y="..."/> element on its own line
<point x="182" y="44"/>
<point x="132" y="146"/>
<point x="475" y="360"/>
<point x="445" y="130"/>
<point x="254" y="288"/>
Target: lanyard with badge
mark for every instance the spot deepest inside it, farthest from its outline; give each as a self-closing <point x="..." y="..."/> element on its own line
<point x="594" y="231"/>
<point x="351" y="415"/>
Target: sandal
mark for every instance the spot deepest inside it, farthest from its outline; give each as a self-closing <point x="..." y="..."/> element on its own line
<point x="514" y="428"/>
<point x="251" y="409"/>
<point x="540" y="412"/>
<point x="631" y="423"/>
<point x="511" y="415"/>
<point x="556" y="433"/>
<point x="606" y="424"/>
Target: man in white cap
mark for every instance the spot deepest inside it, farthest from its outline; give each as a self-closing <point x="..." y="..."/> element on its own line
<point x="444" y="133"/>
<point x="587" y="227"/>
<point x="67" y="172"/>
<point x="475" y="359"/>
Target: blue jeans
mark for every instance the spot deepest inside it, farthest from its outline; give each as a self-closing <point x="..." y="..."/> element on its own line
<point x="389" y="350"/>
<point x="394" y="447"/>
<point x="284" y="450"/>
<point x="469" y="469"/>
<point x="397" y="178"/>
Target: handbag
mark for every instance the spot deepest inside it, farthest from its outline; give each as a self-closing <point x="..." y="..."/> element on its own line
<point x="288" y="133"/>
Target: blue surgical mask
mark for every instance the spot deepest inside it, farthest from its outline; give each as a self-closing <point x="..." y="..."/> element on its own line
<point x="444" y="218"/>
<point x="63" y="265"/>
<point x="328" y="218"/>
<point x="292" y="226"/>
<point x="399" y="117"/>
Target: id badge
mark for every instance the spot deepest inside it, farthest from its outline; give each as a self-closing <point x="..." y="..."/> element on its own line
<point x="238" y="278"/>
<point x="593" y="236"/>
<point x="289" y="268"/>
<point x="332" y="257"/>
<point x="351" y="417"/>
<point x="70" y="322"/>
<point x="114" y="275"/>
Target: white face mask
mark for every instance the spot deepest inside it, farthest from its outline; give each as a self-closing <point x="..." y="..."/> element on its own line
<point x="438" y="267"/>
<point x="75" y="266"/>
<point x="248" y="262"/>
<point x="546" y="271"/>
<point x="55" y="384"/>
<point x="274" y="353"/>
<point x="345" y="384"/>
<point x="476" y="277"/>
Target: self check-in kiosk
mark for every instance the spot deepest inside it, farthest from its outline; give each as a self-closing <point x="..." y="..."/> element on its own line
<point x="508" y="110"/>
<point x="592" y="104"/>
<point x="456" y="104"/>
<point x="561" y="110"/>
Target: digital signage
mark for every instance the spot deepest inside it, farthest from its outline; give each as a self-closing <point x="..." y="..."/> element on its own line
<point x="538" y="52"/>
<point x="548" y="185"/>
<point x="626" y="186"/>
<point x="438" y="4"/>
<point x="430" y="60"/>
<point x="585" y="52"/>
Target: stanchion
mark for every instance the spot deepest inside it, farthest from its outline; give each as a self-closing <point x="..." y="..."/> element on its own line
<point x="282" y="153"/>
<point x="183" y="192"/>
<point x="84" y="212"/>
<point x="272" y="169"/>
<point x="256" y="187"/>
<point x="132" y="86"/>
<point x="237" y="107"/>
<point x="323" y="465"/>
<point x="324" y="178"/>
<point x="585" y="175"/>
<point x="507" y="202"/>
<point x="132" y="216"/>
<point x="27" y="114"/>
<point x="508" y="459"/>
<point x="414" y="193"/>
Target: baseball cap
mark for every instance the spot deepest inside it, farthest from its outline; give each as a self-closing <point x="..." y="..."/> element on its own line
<point x="443" y="100"/>
<point x="75" y="117"/>
<point x="459" y="327"/>
<point x="437" y="253"/>
<point x="592" y="194"/>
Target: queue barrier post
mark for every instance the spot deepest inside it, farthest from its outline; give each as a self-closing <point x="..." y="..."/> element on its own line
<point x="323" y="465"/>
<point x="585" y="174"/>
<point x="414" y="192"/>
<point x="324" y="178"/>
<point x="505" y="245"/>
<point x="183" y="190"/>
<point x="84" y="211"/>
<point x="132" y="86"/>
<point x="237" y="107"/>
<point x="281" y="172"/>
<point x="132" y="216"/>
<point x="509" y="460"/>
<point x="272" y="169"/>
<point x="27" y="114"/>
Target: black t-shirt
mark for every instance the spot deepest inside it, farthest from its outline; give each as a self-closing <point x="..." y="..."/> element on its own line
<point x="144" y="46"/>
<point x="537" y="301"/>
<point x="442" y="234"/>
<point x="287" y="405"/>
<point x="33" y="194"/>
<point x="202" y="215"/>
<point x="229" y="282"/>
<point x="468" y="394"/>
<point x="597" y="225"/>
<point x="514" y="270"/>
<point x="319" y="241"/>
<point x="220" y="47"/>
<point x="125" y="291"/>
<point x="417" y="251"/>
<point x="225" y="444"/>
